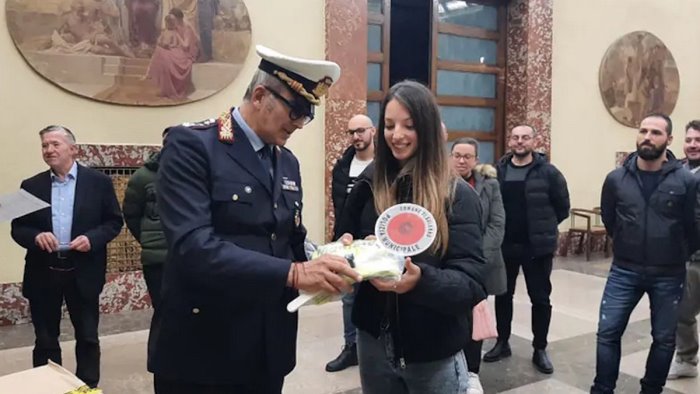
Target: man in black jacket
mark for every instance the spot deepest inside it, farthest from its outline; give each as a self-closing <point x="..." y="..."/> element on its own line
<point x="536" y="200"/>
<point x="649" y="209"/>
<point x="345" y="172"/>
<point x="67" y="251"/>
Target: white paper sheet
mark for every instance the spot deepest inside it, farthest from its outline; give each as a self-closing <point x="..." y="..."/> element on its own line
<point x="19" y="203"/>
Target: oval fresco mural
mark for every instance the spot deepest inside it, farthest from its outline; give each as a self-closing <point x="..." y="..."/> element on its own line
<point x="134" y="52"/>
<point x="638" y="76"/>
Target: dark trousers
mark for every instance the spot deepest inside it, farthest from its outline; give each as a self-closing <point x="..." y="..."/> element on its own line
<point x="84" y="314"/>
<point x="623" y="290"/>
<point x="264" y="386"/>
<point x="537" y="271"/>
<point x="153" y="275"/>
<point x="473" y="354"/>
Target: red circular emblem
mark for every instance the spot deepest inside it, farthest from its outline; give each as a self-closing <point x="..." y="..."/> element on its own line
<point x="406" y="228"/>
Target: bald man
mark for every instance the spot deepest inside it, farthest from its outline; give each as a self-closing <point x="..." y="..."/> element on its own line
<point x="346" y="170"/>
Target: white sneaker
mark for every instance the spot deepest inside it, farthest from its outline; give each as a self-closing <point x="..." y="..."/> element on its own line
<point x="474" y="384"/>
<point x="681" y="369"/>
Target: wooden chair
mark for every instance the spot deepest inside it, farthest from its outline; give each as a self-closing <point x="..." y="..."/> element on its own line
<point x="587" y="231"/>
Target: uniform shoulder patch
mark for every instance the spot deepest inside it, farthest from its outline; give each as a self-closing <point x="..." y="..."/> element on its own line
<point x="225" y="125"/>
<point x="201" y="125"/>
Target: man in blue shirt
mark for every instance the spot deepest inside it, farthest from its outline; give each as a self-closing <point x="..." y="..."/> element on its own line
<point x="66" y="250"/>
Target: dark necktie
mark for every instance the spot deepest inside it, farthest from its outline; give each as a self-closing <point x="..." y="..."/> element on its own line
<point x="265" y="154"/>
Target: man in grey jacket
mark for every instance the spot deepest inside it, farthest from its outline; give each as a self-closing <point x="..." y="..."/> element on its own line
<point x="482" y="177"/>
<point x="686" y="361"/>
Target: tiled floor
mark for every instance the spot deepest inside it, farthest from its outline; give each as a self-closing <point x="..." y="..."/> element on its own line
<point x="577" y="289"/>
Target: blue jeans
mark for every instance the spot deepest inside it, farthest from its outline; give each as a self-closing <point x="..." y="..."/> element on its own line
<point x="623" y="291"/>
<point x="380" y="374"/>
<point x="349" y="330"/>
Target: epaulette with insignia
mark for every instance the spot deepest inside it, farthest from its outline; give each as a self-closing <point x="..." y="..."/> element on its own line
<point x="201" y="125"/>
<point x="225" y="125"/>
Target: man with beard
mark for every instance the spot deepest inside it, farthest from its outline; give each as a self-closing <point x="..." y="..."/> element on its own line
<point x="345" y="172"/>
<point x="649" y="208"/>
<point x="536" y="200"/>
<point x="685" y="364"/>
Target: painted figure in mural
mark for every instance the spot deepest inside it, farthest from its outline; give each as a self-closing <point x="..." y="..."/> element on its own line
<point x="107" y="14"/>
<point x="85" y="30"/>
<point x="188" y="8"/>
<point x="171" y="66"/>
<point x="230" y="202"/>
<point x="207" y="11"/>
<point x="143" y="30"/>
<point x="67" y="251"/>
<point x="170" y="38"/>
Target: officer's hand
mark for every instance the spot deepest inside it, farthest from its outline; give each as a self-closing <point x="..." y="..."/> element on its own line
<point x="346" y="239"/>
<point x="328" y="274"/>
<point x="46" y="241"/>
<point x="408" y="281"/>
<point x="81" y="243"/>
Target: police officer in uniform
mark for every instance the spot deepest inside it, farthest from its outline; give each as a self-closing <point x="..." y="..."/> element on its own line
<point x="230" y="202"/>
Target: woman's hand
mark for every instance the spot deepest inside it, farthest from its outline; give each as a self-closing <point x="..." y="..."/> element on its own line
<point x="408" y="281"/>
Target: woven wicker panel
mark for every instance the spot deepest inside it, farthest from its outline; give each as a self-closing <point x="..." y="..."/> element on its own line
<point x="123" y="253"/>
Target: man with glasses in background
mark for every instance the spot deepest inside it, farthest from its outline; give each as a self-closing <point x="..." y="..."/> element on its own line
<point x="230" y="202"/>
<point x="536" y="200"/>
<point x="345" y="172"/>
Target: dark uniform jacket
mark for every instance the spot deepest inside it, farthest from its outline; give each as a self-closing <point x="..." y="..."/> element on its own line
<point x="430" y="322"/>
<point x="96" y="215"/>
<point x="232" y="234"/>
<point x="654" y="237"/>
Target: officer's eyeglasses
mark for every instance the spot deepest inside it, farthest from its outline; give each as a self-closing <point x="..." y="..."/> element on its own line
<point x="297" y="110"/>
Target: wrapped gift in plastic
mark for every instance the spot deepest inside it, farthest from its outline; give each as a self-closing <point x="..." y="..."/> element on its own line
<point x="367" y="257"/>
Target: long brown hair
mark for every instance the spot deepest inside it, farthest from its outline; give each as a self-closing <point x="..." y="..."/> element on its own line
<point x="431" y="179"/>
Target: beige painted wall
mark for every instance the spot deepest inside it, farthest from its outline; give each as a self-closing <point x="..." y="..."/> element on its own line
<point x="584" y="136"/>
<point x="28" y="102"/>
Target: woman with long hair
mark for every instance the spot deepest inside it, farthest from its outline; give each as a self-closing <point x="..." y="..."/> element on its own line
<point x="411" y="332"/>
